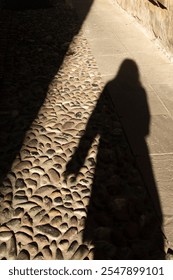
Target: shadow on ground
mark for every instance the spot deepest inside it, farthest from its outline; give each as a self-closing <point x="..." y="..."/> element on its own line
<point x="121" y="222"/>
<point x="37" y="37"/>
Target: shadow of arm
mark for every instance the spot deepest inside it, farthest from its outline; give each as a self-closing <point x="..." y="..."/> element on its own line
<point x="94" y="127"/>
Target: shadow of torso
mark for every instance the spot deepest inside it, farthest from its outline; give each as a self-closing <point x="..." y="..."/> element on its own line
<point x="121" y="222"/>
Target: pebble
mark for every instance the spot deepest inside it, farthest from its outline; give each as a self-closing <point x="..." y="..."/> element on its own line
<point x="20" y="184"/>
<point x="35" y="176"/>
<point x="45" y="190"/>
<point x="5" y="235"/>
<point x="44" y="180"/>
<point x="41" y="239"/>
<point x="20" y="199"/>
<point x="64" y="227"/>
<point x="23" y="255"/>
<point x="23" y="238"/>
<point x="39" y="215"/>
<point x="37" y="199"/>
<point x="32" y="248"/>
<point x="48" y="230"/>
<point x="56" y="221"/>
<point x="64" y="209"/>
<point x="47" y="253"/>
<point x="45" y="219"/>
<point x="39" y="256"/>
<point x="47" y="202"/>
<point x="81" y="252"/>
<point x="54" y="175"/>
<point x="58" y="201"/>
<point x="9" y="196"/>
<point x="27" y="230"/>
<point x="18" y="212"/>
<point x="34" y="210"/>
<point x="73" y="221"/>
<point x="45" y="139"/>
<point x="59" y="160"/>
<point x="73" y="247"/>
<point x="69" y="234"/>
<point x="3" y="250"/>
<point x="31" y="183"/>
<point x="14" y="224"/>
<point x="23" y="165"/>
<point x="63" y="245"/>
<point x="5" y="190"/>
<point x="27" y="220"/>
<point x="38" y="170"/>
<point x="59" y="255"/>
<point x="54" y="212"/>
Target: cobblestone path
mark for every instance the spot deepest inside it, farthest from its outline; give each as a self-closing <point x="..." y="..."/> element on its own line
<point x="69" y="185"/>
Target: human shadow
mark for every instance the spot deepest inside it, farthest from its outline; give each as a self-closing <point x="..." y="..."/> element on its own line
<point x="35" y="38"/>
<point x="121" y="220"/>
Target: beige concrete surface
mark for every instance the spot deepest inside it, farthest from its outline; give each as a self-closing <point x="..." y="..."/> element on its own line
<point x="114" y="36"/>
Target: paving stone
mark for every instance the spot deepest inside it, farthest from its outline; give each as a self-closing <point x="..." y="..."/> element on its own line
<point x="23" y="255"/>
<point x="48" y="229"/>
<point x="23" y="237"/>
<point x="47" y="189"/>
<point x="59" y="255"/>
<point x="47" y="253"/>
<point x="33" y="248"/>
<point x="80" y="253"/>
<point x="5" y="235"/>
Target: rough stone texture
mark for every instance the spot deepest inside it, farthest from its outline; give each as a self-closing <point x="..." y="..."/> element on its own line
<point x="156" y="18"/>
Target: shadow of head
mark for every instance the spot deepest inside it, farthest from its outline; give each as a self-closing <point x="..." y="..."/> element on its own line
<point x="130" y="99"/>
<point x="128" y="73"/>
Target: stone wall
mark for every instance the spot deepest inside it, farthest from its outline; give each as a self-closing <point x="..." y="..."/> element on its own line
<point x="156" y="16"/>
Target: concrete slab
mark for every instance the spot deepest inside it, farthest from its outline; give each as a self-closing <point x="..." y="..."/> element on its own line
<point x="140" y="126"/>
<point x="157" y="174"/>
<point x="161" y="135"/>
<point x="145" y="58"/>
<point x="156" y="106"/>
<point x="136" y="43"/>
<point x="142" y="95"/>
<point x="94" y="31"/>
<point x="162" y="74"/>
<point x="109" y="64"/>
<point x="163" y="166"/>
<point x="165" y="93"/>
<point x="107" y="47"/>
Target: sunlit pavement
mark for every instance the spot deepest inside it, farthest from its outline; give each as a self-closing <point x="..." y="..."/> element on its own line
<point x="70" y="184"/>
<point x="113" y="37"/>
